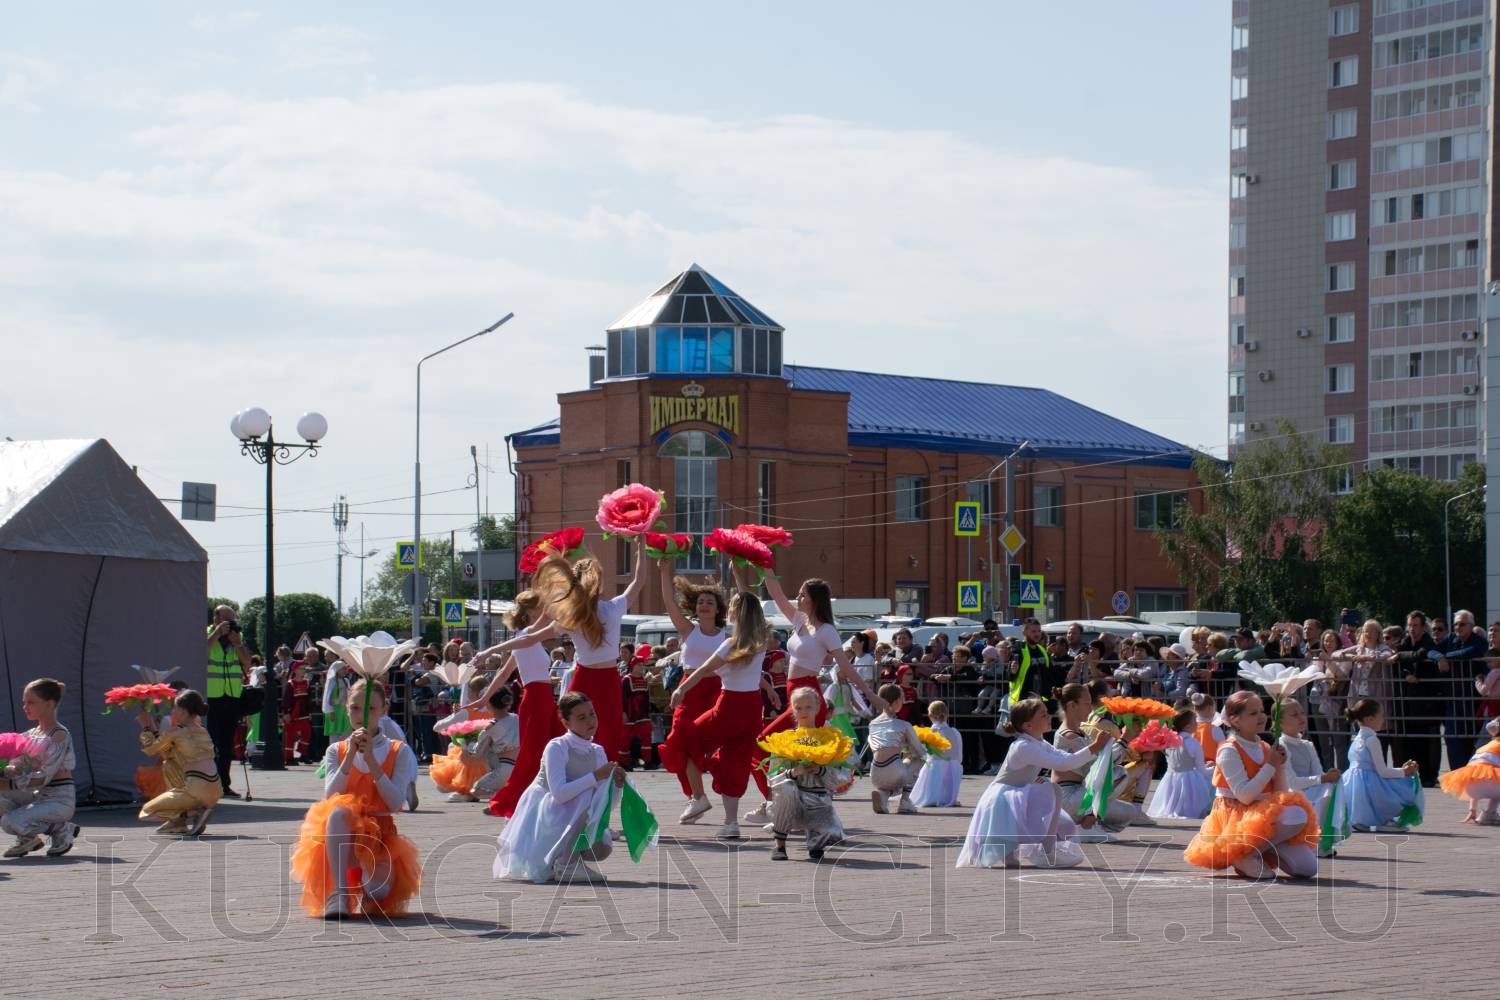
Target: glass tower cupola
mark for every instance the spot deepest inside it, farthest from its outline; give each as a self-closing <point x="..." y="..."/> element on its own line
<point x="693" y="325"/>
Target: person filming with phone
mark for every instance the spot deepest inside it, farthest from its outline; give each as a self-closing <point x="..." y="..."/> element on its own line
<point x="228" y="665"/>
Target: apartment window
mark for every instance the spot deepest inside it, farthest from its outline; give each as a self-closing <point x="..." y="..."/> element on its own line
<point x="1237" y="393"/>
<point x="911" y="498"/>
<point x="1340" y="328"/>
<point x="1161" y="600"/>
<point x="1343" y="20"/>
<point x="695" y="496"/>
<point x="1343" y="72"/>
<point x="1340" y="378"/>
<point x="1341" y="175"/>
<point x="1339" y="226"/>
<point x="763" y="492"/>
<point x="1237" y="334"/>
<point x="1343" y="124"/>
<point x="1239" y="37"/>
<point x="1046" y="505"/>
<point x="1239" y="87"/>
<point x="910" y="602"/>
<point x="1237" y="186"/>
<point x="1236" y="235"/>
<point x="1236" y="286"/>
<point x="981" y="492"/>
<point x="1159" y="510"/>
<point x="1237" y="137"/>
<point x="1340" y="277"/>
<point x="1342" y="480"/>
<point x="1341" y="430"/>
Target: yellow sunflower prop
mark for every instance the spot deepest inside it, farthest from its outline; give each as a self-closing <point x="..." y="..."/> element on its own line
<point x="934" y="741"/>
<point x="821" y="747"/>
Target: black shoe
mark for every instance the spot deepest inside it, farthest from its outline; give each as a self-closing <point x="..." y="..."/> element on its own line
<point x="816" y="853"/>
<point x="230" y="793"/>
<point x="778" y="853"/>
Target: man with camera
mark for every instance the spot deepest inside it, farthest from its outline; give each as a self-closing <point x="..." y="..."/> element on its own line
<point x="228" y="665"/>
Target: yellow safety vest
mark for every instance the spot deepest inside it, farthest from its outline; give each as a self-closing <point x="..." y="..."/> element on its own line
<point x="1018" y="686"/>
<point x="224" y="671"/>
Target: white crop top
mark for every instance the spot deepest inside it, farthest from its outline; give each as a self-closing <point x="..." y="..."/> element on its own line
<point x="608" y="650"/>
<point x="533" y="663"/>
<point x="808" y="652"/>
<point x="740" y="675"/>
<point x="698" y="647"/>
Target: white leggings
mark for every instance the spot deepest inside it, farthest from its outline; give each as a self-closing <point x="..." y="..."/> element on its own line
<point x="47" y="810"/>
<point x="339" y="841"/>
<point x="1297" y="860"/>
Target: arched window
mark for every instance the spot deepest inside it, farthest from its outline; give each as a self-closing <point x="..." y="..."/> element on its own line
<point x="695" y="494"/>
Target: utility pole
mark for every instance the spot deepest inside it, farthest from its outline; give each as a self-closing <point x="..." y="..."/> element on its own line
<point x="340" y="522"/>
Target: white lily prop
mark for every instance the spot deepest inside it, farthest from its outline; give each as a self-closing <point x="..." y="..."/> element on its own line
<point x="1280" y="681"/>
<point x="154" y="675"/>
<point x="370" y="656"/>
<point x="456" y="674"/>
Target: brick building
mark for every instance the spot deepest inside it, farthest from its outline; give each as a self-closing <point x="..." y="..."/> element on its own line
<point x="690" y="395"/>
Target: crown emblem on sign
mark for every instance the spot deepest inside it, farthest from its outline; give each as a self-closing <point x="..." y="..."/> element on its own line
<point x="692" y="390"/>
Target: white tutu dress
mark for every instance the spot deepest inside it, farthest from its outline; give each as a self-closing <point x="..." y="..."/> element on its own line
<point x="1305" y="775"/>
<point x="1020" y="818"/>
<point x="537" y="842"/>
<point x="937" y="783"/>
<point x="1185" y="791"/>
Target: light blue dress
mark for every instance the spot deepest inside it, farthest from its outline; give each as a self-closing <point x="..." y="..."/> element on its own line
<point x="1185" y="791"/>
<point x="1375" y="793"/>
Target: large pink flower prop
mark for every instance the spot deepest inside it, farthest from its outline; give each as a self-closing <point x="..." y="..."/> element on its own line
<point x="630" y="510"/>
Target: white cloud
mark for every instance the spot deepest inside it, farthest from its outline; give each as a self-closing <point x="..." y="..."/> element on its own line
<point x="225" y="23"/>
<point x="324" y="46"/>
<point x="319" y="245"/>
<point x="23" y="79"/>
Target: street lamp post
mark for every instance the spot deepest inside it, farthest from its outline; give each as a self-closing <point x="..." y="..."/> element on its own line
<point x="484" y="619"/>
<point x="253" y="429"/>
<point x="1010" y="518"/>
<point x="1447" y="582"/>
<point x="416" y="521"/>
<point x="362" y="555"/>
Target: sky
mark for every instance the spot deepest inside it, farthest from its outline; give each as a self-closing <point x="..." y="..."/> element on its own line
<point x="204" y="208"/>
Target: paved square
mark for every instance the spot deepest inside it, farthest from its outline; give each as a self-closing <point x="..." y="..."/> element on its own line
<point x="131" y="915"/>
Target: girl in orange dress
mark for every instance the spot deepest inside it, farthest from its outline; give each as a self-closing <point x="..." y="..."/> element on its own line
<point x="1256" y="824"/>
<point x="349" y="856"/>
<point x="457" y="772"/>
<point x="1479" y="780"/>
<point x="1208" y="733"/>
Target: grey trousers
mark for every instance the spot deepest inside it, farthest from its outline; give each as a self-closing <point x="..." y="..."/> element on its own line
<point x="793" y="807"/>
<point x="47" y="810"/>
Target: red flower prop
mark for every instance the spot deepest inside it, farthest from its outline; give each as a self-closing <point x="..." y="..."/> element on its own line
<point x="467" y="731"/>
<point x="147" y="696"/>
<point x="567" y="543"/>
<point x="659" y="546"/>
<point x="630" y="510"/>
<point x="741" y="549"/>
<point x="769" y="536"/>
<point x="1156" y="736"/>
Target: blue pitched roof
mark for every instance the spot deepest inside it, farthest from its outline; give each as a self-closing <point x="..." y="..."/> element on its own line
<point x="903" y="411"/>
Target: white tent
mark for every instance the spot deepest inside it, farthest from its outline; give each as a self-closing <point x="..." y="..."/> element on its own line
<point x="95" y="574"/>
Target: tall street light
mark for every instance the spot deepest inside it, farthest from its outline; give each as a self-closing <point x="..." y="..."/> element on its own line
<point x="416" y="521"/>
<point x="252" y="427"/>
<point x="1447" y="583"/>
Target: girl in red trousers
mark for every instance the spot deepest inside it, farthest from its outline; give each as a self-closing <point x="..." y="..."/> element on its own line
<point x="813" y="640"/>
<point x="700" y="639"/>
<point x="539" y="720"/>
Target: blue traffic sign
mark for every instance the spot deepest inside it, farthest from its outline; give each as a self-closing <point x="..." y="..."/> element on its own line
<point x="406" y="555"/>
<point x="1032" y="586"/>
<point x="969" y="598"/>
<point x="454" y="613"/>
<point x="966" y="518"/>
<point x="1120" y="602"/>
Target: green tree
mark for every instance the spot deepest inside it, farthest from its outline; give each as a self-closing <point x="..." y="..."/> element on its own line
<point x="1384" y="550"/>
<point x="1252" y="547"/>
<point x="444" y="578"/>
<point x="214" y="602"/>
<point x="295" y="614"/>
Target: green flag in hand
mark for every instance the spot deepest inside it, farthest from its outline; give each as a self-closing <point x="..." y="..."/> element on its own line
<point x="638" y="821"/>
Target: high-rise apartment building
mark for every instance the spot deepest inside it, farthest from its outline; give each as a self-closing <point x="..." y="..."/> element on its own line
<point x="1360" y="151"/>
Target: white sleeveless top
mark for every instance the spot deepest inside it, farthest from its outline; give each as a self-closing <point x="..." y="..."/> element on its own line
<point x="533" y="663"/>
<point x="740" y="675"/>
<point x="807" y="652"/>
<point x="608" y="650"/>
<point x="697" y="648"/>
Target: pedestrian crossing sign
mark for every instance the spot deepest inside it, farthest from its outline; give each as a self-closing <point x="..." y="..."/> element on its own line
<point x="969" y="597"/>
<point x="1032" y="587"/>
<point x="966" y="518"/>
<point x="454" y="613"/>
<point x="407" y="555"/>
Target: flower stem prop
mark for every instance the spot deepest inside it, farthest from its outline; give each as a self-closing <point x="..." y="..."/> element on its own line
<point x="369" y="656"/>
<point x="1281" y="681"/>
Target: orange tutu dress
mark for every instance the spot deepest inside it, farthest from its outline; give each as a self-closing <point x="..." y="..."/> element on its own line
<point x="1232" y="830"/>
<point x="455" y="772"/>
<point x="375" y="839"/>
<point x="1482" y="769"/>
<point x="150" y="782"/>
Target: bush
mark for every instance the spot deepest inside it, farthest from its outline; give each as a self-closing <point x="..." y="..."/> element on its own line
<point x="214" y="602"/>
<point x="295" y="614"/>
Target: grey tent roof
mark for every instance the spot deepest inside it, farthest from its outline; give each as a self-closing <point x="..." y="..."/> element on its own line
<point x="80" y="497"/>
<point x="694" y="297"/>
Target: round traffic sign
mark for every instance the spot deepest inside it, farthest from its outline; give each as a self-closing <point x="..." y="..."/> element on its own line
<point x="1120" y="602"/>
<point x="469" y="570"/>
